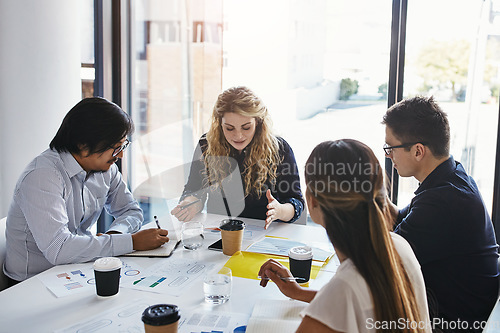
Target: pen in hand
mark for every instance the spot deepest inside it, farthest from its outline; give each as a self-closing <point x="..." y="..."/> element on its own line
<point x="157" y="222"/>
<point x="284" y="278"/>
<point x="190" y="204"/>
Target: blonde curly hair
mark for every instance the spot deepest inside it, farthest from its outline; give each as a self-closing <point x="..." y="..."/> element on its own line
<point x="262" y="155"/>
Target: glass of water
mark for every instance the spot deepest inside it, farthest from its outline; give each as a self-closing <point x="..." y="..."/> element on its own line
<point x="217" y="286"/>
<point x="192" y="235"/>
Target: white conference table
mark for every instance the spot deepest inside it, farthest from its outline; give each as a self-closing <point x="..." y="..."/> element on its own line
<point x="31" y="307"/>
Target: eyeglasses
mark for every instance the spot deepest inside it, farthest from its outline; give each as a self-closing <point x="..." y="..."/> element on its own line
<point x="118" y="150"/>
<point x="388" y="149"/>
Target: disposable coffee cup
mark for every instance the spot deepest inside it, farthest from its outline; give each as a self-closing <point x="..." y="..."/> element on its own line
<point x="161" y="318"/>
<point x="107" y="275"/>
<point x="232" y="235"/>
<point x="300" y="259"/>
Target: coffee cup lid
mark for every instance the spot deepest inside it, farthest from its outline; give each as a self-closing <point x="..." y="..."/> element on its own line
<point x="232" y="225"/>
<point x="107" y="264"/>
<point x="160" y="314"/>
<point x="300" y="252"/>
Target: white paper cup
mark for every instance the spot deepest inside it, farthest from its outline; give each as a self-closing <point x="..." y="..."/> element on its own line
<point x="107" y="276"/>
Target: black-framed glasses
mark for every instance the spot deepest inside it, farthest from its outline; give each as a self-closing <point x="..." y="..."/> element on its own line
<point x="388" y="149"/>
<point x="118" y="150"/>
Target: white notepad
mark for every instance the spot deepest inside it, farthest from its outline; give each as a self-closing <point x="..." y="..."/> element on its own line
<point x="275" y="316"/>
<point x="166" y="249"/>
<point x="163" y="251"/>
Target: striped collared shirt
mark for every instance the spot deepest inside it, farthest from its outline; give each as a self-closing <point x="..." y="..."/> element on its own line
<point x="53" y="208"/>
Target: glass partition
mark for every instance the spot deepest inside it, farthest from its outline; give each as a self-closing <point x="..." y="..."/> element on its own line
<point x="320" y="66"/>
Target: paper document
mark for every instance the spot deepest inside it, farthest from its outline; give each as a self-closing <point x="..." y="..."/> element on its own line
<point x="77" y="278"/>
<point x="251" y="232"/>
<point x="170" y="276"/>
<point x="247" y="264"/>
<point x="281" y="246"/>
<point x="127" y="318"/>
<point x="163" y="251"/>
<point x="208" y="322"/>
<point x="275" y="316"/>
<point x="166" y="249"/>
<point x="122" y="318"/>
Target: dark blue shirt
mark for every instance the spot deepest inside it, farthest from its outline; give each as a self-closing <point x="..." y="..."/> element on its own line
<point x="451" y="233"/>
<point x="286" y="188"/>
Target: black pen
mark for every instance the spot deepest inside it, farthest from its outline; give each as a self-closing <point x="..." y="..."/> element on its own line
<point x="190" y="204"/>
<point x="157" y="223"/>
<point x="284" y="278"/>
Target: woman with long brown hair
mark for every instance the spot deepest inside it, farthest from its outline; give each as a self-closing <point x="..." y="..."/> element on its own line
<point x="379" y="286"/>
<point x="241" y="166"/>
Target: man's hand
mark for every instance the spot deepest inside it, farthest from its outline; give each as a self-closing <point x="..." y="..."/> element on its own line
<point x="149" y="239"/>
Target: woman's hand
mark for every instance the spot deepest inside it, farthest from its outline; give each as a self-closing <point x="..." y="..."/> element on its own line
<point x="187" y="214"/>
<point x="279" y="274"/>
<point x="277" y="211"/>
<point x="273" y="270"/>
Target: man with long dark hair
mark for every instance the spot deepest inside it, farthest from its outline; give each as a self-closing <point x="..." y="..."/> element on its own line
<point x="446" y="223"/>
<point x="62" y="192"/>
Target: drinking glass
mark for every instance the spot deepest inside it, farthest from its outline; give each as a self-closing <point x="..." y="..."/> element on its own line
<point x="217" y="286"/>
<point x="192" y="235"/>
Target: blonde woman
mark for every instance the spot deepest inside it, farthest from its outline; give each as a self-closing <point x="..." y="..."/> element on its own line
<point x="379" y="286"/>
<point x="240" y="142"/>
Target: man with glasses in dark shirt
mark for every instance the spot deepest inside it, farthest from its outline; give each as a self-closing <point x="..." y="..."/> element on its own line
<point x="446" y="223"/>
<point x="61" y="194"/>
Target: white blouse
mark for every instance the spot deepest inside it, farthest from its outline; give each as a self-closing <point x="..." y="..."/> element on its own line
<point x="345" y="303"/>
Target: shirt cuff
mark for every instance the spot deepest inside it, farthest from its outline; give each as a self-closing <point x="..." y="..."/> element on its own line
<point x="122" y="228"/>
<point x="298" y="208"/>
<point x="121" y="244"/>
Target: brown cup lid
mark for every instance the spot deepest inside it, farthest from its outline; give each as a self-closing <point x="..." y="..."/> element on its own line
<point x="232" y="225"/>
<point x="160" y="314"/>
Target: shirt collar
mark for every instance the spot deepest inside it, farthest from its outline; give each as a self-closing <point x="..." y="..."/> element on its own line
<point x="239" y="156"/>
<point x="437" y="174"/>
<point x="71" y="165"/>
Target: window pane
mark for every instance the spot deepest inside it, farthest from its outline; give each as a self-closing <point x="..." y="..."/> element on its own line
<point x="456" y="59"/>
<point x="177" y="65"/>
<point x="320" y="66"/>
<point x="87" y="50"/>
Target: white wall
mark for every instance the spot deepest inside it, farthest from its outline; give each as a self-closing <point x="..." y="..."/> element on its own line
<point x="39" y="80"/>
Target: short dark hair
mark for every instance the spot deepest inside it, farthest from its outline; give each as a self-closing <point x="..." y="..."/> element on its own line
<point x="420" y="119"/>
<point x="95" y="123"/>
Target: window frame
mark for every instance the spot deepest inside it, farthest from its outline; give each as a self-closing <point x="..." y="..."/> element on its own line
<point x="113" y="42"/>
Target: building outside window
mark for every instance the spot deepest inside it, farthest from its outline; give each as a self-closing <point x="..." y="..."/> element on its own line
<point x="321" y="67"/>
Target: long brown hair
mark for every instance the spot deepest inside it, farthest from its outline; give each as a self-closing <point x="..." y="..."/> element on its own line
<point x="262" y="157"/>
<point x="346" y="179"/>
